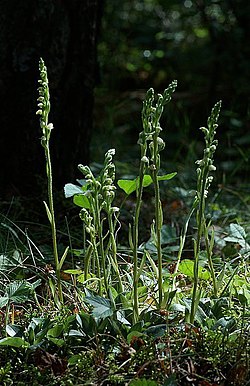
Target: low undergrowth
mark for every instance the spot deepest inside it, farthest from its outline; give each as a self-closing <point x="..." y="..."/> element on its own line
<point x="169" y="309"/>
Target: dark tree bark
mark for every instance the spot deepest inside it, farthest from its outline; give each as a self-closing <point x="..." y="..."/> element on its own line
<point x="64" y="34"/>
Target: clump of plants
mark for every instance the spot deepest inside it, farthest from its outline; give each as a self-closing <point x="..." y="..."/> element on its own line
<point x="127" y="314"/>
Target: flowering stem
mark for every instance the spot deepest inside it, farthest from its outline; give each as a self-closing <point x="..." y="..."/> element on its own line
<point x="44" y="109"/>
<point x="135" y="241"/>
<point x="205" y="166"/>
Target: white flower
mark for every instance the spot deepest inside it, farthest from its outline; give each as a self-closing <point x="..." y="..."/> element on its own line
<point x="50" y="126"/>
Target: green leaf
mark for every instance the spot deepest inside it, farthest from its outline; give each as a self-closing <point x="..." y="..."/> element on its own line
<point x="3" y="301"/>
<point x="82" y="201"/>
<point x="5" y="263"/>
<point x="156" y="331"/>
<point x="35" y="284"/>
<point x="70" y="190"/>
<point x="101" y="306"/>
<point x="76" y="333"/>
<point x="48" y="212"/>
<point x="14" y="342"/>
<point x="143" y="382"/>
<point x="8" y="262"/>
<point x="226" y="323"/>
<point x="63" y="257"/>
<point x="166" y="177"/>
<point x="171" y="381"/>
<point x="58" y="342"/>
<point x="130" y="186"/>
<point x="13" y="330"/>
<point x="55" y="331"/>
<point x="187" y="268"/>
<point x="133" y="334"/>
<point x="73" y="271"/>
<point x="18" y="291"/>
<point x="74" y="359"/>
<point x="236" y="235"/>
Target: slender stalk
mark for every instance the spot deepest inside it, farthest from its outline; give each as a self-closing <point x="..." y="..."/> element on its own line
<point x="182" y="243"/>
<point x="156" y="146"/>
<point x="143" y="138"/>
<point x="113" y="246"/>
<point x="53" y="222"/>
<point x="209" y="248"/>
<point x="200" y="214"/>
<point x="101" y="248"/>
<point x="100" y="194"/>
<point x="44" y="109"/>
<point x="136" y="241"/>
<point x="158" y="227"/>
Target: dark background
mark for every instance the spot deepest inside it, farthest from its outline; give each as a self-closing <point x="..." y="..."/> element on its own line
<point x="99" y="51"/>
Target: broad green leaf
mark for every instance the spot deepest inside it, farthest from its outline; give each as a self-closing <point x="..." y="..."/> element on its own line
<point x="5" y="263"/>
<point x="13" y="330"/>
<point x="166" y="177"/>
<point x="3" y="301"/>
<point x="82" y="201"/>
<point x="156" y="331"/>
<point x="58" y="342"/>
<point x="226" y="323"/>
<point x="237" y="231"/>
<point x="70" y="190"/>
<point x="177" y="307"/>
<point x="236" y="235"/>
<point x="130" y="186"/>
<point x="200" y="315"/>
<point x="168" y="236"/>
<point x="187" y="268"/>
<point x="101" y="306"/>
<point x="8" y="262"/>
<point x="55" y="331"/>
<point x="74" y="359"/>
<point x="14" y="342"/>
<point x="121" y="318"/>
<point x="18" y="291"/>
<point x="219" y="307"/>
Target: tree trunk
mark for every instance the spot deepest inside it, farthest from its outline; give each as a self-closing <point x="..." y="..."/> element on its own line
<point x="63" y="33"/>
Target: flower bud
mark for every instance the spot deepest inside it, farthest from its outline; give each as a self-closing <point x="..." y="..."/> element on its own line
<point x="160" y="141"/>
<point x="145" y="159"/>
<point x="204" y="130"/>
